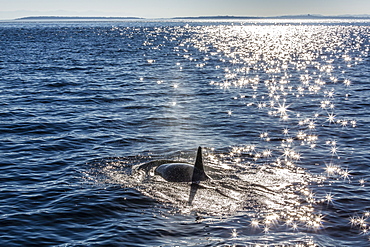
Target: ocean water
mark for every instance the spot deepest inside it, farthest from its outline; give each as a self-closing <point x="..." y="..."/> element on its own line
<point x="280" y="107"/>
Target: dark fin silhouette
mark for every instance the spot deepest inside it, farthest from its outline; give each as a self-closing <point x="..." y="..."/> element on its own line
<point x="198" y="173"/>
<point x="199" y="160"/>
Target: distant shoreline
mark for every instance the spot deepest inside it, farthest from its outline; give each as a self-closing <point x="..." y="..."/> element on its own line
<point x="31" y="18"/>
<point x="278" y="17"/>
<point x="304" y="17"/>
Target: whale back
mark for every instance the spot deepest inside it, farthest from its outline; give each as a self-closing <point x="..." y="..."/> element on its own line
<point x="181" y="172"/>
<point x="175" y="172"/>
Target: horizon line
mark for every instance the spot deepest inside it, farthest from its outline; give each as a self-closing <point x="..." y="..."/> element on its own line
<point x="298" y="16"/>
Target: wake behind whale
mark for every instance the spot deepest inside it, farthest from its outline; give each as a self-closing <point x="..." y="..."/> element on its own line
<point x="236" y="185"/>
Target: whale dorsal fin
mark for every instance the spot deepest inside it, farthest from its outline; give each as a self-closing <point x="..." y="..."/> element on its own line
<point x="199" y="160"/>
<point x="198" y="173"/>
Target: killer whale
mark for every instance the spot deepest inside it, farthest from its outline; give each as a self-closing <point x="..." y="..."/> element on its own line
<point x="183" y="172"/>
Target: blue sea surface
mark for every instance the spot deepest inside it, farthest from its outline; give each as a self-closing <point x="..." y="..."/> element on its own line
<point x="280" y="107"/>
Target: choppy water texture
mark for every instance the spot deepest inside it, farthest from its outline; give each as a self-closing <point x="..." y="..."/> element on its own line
<point x="280" y="107"/>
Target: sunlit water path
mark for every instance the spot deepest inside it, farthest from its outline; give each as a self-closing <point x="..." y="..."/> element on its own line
<point x="280" y="107"/>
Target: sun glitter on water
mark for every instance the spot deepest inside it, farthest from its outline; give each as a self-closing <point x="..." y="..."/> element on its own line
<point x="283" y="71"/>
<point x="294" y="80"/>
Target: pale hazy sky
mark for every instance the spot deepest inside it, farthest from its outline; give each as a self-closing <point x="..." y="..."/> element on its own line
<point x="175" y="8"/>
